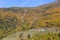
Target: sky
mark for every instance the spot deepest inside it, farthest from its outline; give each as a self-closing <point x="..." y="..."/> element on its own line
<point x="23" y="3"/>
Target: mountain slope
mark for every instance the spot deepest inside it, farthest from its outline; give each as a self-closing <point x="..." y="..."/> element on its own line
<point x="23" y="35"/>
<point x="22" y="19"/>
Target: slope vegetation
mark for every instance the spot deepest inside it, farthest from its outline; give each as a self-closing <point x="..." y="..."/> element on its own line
<point x="22" y="19"/>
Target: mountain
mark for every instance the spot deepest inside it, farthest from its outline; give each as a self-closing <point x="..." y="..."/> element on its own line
<point x="16" y="19"/>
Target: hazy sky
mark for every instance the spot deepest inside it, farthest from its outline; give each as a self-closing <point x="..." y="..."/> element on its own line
<point x="23" y="3"/>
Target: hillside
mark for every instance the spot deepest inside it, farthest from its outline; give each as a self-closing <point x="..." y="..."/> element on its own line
<point x="35" y="34"/>
<point x="16" y="19"/>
